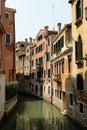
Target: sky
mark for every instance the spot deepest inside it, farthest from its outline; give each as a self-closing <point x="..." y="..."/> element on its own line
<point x="33" y="15"/>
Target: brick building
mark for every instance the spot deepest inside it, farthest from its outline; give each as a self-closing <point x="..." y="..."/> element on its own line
<point x="7" y="50"/>
<point x="40" y="64"/>
<point x="10" y="44"/>
<point x="2" y="55"/>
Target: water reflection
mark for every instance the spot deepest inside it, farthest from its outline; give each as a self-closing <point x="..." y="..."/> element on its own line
<point x="38" y="115"/>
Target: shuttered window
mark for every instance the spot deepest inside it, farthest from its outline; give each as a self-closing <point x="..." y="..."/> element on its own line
<point x="79" y="9"/>
<point x="81" y="107"/>
<point x="79" y="82"/>
<point x="48" y="56"/>
<point x="78" y="49"/>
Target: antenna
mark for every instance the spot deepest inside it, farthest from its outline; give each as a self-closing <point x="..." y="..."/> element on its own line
<point x="53" y="16"/>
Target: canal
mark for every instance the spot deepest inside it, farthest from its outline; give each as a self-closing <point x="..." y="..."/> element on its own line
<point x="35" y="114"/>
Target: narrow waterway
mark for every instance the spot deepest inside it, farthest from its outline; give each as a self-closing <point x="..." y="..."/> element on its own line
<point x="35" y="114"/>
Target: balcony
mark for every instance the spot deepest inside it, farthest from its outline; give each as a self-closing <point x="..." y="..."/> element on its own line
<point x="57" y="78"/>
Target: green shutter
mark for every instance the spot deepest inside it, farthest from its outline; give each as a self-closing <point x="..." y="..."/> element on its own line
<point x="81" y="3"/>
<point x="80" y="48"/>
<point x="76" y="51"/>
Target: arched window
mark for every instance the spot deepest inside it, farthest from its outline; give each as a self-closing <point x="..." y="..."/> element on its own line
<point x="78" y="49"/>
<point x="79" y="9"/>
<point x="7" y="16"/>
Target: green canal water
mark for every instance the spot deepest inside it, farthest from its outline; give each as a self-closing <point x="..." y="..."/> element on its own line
<point x="35" y="114"/>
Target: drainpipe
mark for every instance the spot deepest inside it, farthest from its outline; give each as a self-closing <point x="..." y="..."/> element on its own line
<point x="13" y="47"/>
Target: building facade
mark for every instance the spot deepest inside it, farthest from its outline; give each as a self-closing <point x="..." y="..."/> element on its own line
<point x="23" y="64"/>
<point x="79" y="40"/>
<point x="10" y="44"/>
<point x="2" y="55"/>
<point x="40" y="64"/>
<point x="61" y="68"/>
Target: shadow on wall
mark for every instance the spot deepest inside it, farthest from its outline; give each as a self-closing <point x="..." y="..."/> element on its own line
<point x="23" y="82"/>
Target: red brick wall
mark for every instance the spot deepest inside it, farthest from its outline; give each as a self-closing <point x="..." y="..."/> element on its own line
<point x="9" y="48"/>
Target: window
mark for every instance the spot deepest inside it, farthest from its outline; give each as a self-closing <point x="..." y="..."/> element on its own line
<point x="79" y="82"/>
<point x="44" y="73"/>
<point x="63" y="96"/>
<point x="55" y="92"/>
<point x="48" y="56"/>
<point x="58" y="47"/>
<point x="54" y="47"/>
<point x="32" y="63"/>
<point x="69" y="64"/>
<point x="49" y="90"/>
<point x="59" y="44"/>
<point x="81" y="107"/>
<point x="32" y="75"/>
<point x="41" y="60"/>
<point x="27" y="50"/>
<point x="62" y="67"/>
<point x="39" y="38"/>
<point x="71" y="99"/>
<point x="59" y="68"/>
<point x="36" y="89"/>
<point x="6" y="15"/>
<point x="8" y="39"/>
<point x="78" y="50"/>
<point x="37" y="60"/>
<point x="60" y="95"/>
<point x="40" y="48"/>
<point x="62" y="41"/>
<point x="32" y="52"/>
<point x="39" y="74"/>
<point x="79" y="9"/>
<point x="48" y="41"/>
<point x="48" y="73"/>
<point x="22" y="45"/>
<point x="32" y="87"/>
<point x="37" y="49"/>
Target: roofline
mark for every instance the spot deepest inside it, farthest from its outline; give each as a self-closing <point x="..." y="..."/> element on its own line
<point x="67" y="25"/>
<point x="11" y="9"/>
<point x="51" y="32"/>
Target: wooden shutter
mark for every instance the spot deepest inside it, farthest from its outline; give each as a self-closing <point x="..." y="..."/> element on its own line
<point x="79" y="48"/>
<point x="81" y="3"/>
<point x="79" y="82"/>
<point x="76" y="51"/>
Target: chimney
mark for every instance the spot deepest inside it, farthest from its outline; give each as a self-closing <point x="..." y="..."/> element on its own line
<point x="30" y="40"/>
<point x="59" y="27"/>
<point x="46" y="29"/>
<point x="26" y="40"/>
